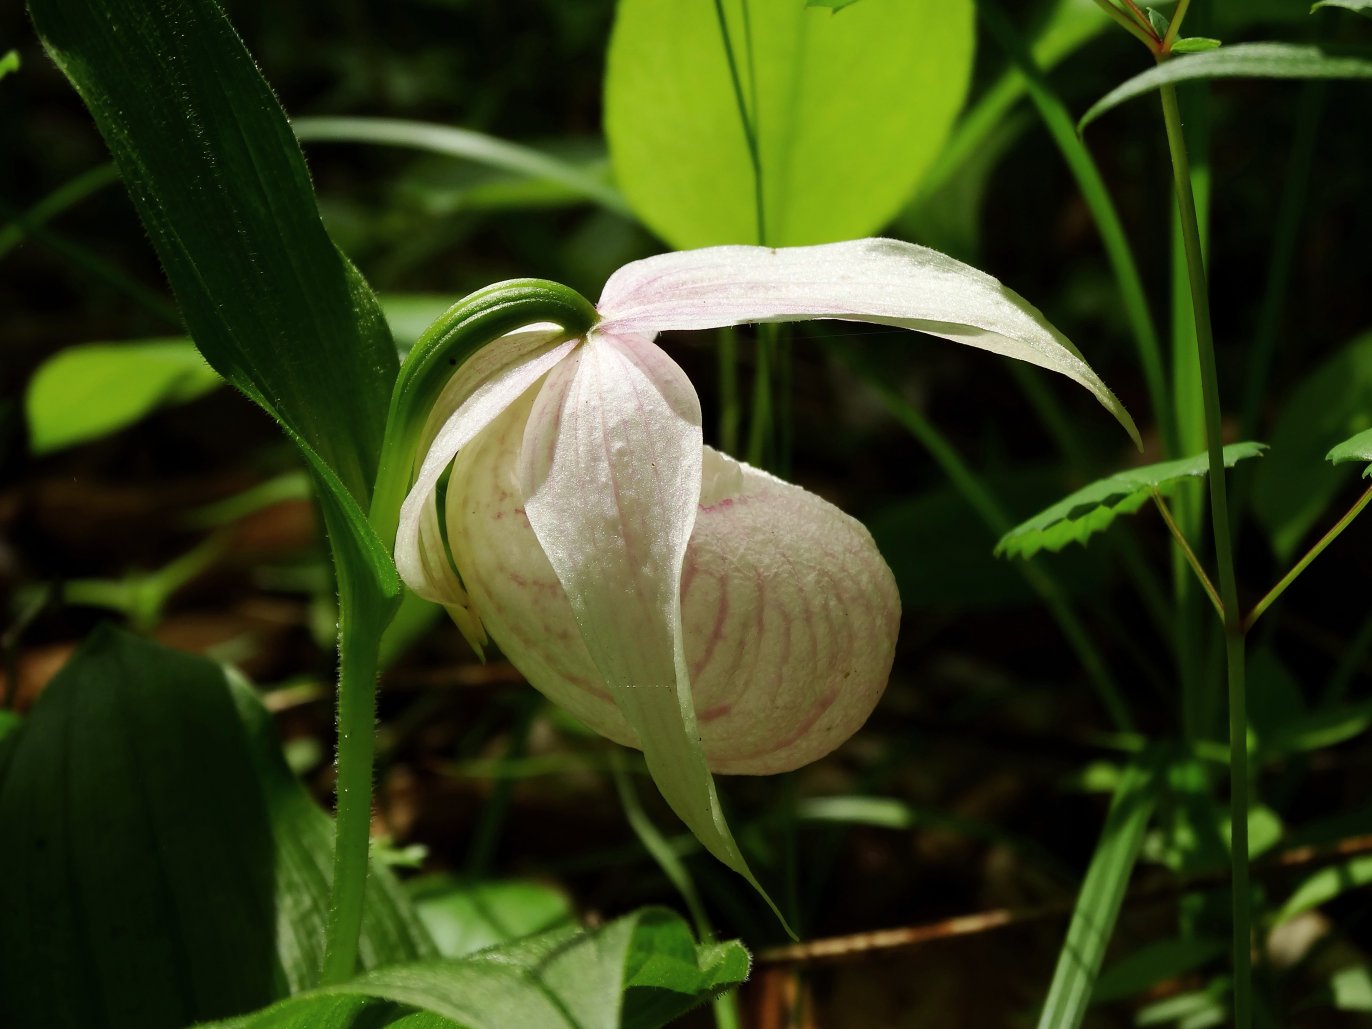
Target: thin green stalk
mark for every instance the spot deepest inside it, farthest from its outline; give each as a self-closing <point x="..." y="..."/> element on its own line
<point x="668" y="860"/>
<point x="1219" y="508"/>
<point x="1094" y="191"/>
<point x="1190" y="554"/>
<point x="744" y="113"/>
<point x="70" y="193"/>
<point x="487" y="833"/>
<point x="1127" y="23"/>
<point x="1174" y="27"/>
<point x="760" y="434"/>
<point x="995" y="518"/>
<point x="730" y="406"/>
<point x="358" y="659"/>
<point x="1304" y="563"/>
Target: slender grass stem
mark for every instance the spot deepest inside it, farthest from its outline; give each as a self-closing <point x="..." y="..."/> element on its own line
<point x="745" y="112"/>
<point x="1304" y="563"/>
<point x="1174" y="27"/>
<point x="994" y="517"/>
<point x="1228" y="585"/>
<point x="1094" y="191"/>
<point x="760" y="421"/>
<point x="730" y="406"/>
<point x="1190" y="554"/>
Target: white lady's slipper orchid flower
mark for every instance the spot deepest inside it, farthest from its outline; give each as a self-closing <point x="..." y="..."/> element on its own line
<point x="665" y="594"/>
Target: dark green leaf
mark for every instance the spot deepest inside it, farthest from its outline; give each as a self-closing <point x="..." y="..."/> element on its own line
<point x="1078" y="517"/>
<point x="1363" y="7"/>
<point x="1243" y="60"/>
<point x="1098" y="905"/>
<point x="1358" y="448"/>
<point x="1195" y="45"/>
<point x="849" y="113"/>
<point x="161" y="863"/>
<point x="463" y="917"/>
<point x="93" y="389"/>
<point x="218" y="180"/>
<point x="1292" y="488"/>
<point x="638" y="972"/>
<point x="89" y="391"/>
<point x="1155" y="963"/>
<point x="954" y="575"/>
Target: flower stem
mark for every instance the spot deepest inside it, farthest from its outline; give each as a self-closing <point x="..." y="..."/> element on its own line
<point x="356" y="740"/>
<point x="1301" y="565"/>
<point x="1224" y="554"/>
<point x="1190" y="554"/>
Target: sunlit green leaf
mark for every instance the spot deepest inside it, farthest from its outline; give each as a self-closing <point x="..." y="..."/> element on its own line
<point x="849" y="110"/>
<point x="638" y="972"/>
<point x="89" y="391"/>
<point x="1089" y="510"/>
<point x="465" y="917"/>
<point x="1293" y="487"/>
<point x="1351" y="989"/>
<point x="1242" y="60"/>
<point x="1326" y="884"/>
<point x="1098" y="904"/>
<point x="161" y="863"/>
<point x="9" y="62"/>
<point x="1195" y="45"/>
<point x="836" y="5"/>
<point x="219" y="182"/>
<point x="1363" y="7"/>
<point x="1359" y="448"/>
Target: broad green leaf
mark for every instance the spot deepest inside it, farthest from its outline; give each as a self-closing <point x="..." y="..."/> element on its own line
<point x="835" y="5"/>
<point x="849" y="110"/>
<point x="638" y="972"/>
<point x="462" y="143"/>
<point x="89" y="391"/>
<point x="218" y="179"/>
<point x="1098" y="904"/>
<point x="1241" y="61"/>
<point x="1293" y="487"/>
<point x="1322" y="728"/>
<point x="1359" y="448"/>
<point x="161" y="863"/>
<point x="1155" y="963"/>
<point x="1326" y="884"/>
<point x="463" y="917"/>
<point x="1363" y="7"/>
<point x="1079" y="516"/>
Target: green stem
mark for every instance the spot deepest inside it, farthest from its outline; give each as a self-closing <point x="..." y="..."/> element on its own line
<point x="745" y="115"/>
<point x="1301" y="565"/>
<point x="1190" y="554"/>
<point x="1094" y="191"/>
<point x="1174" y="26"/>
<point x="357" y="672"/>
<point x="730" y="406"/>
<point x="464" y="328"/>
<point x="1219" y="509"/>
<point x="760" y="418"/>
<point x="1127" y="23"/>
<point x="994" y="517"/>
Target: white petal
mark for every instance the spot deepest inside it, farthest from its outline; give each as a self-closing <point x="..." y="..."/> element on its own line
<point x="789" y="613"/>
<point x="610" y="474"/>
<point x="884" y="281"/>
<point x="487" y="383"/>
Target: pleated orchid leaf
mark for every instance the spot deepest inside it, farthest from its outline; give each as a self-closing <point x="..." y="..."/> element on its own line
<point x="670" y="597"/>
